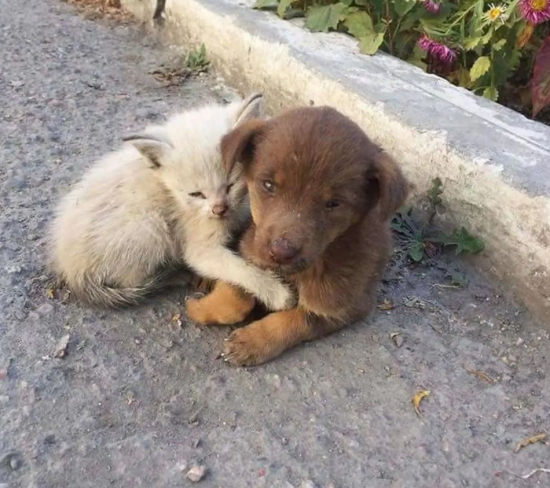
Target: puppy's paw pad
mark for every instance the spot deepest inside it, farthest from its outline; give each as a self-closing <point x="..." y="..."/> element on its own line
<point x="243" y="349"/>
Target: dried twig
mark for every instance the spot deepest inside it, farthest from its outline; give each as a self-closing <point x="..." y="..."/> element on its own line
<point x="528" y="475"/>
<point x="480" y="374"/>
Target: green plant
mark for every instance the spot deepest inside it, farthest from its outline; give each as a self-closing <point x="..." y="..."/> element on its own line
<point x="476" y="44"/>
<point x="422" y="239"/>
<point x="196" y="60"/>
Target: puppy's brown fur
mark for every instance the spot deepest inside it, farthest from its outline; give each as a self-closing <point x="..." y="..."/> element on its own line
<point x="320" y="187"/>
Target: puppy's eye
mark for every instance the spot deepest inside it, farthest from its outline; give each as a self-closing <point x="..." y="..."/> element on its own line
<point x="231" y="185"/>
<point x="332" y="204"/>
<point x="197" y="194"/>
<point x="269" y="186"/>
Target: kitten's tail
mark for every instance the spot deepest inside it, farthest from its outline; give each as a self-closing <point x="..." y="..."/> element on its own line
<point x="95" y="292"/>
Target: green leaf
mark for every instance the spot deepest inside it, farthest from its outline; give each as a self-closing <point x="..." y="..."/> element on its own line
<point x="540" y="85"/>
<point x="403" y="7"/>
<point x="370" y="44"/>
<point x="359" y="24"/>
<point x="416" y="251"/>
<point x="463" y="240"/>
<point x="491" y="93"/>
<point x="321" y="18"/>
<point x="435" y="192"/>
<point x="283" y="6"/>
<point x="499" y="45"/>
<point x="480" y="67"/>
<point x="361" y="3"/>
<point x="457" y="278"/>
<point x="265" y="4"/>
<point x="471" y="43"/>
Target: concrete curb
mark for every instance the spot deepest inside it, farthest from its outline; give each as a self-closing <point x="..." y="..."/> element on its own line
<point x="494" y="163"/>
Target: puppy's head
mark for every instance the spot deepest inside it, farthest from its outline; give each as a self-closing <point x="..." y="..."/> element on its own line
<point x="311" y="174"/>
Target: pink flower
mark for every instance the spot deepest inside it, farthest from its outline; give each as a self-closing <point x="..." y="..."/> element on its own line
<point x="439" y="51"/>
<point x="431" y="6"/>
<point x="535" y="11"/>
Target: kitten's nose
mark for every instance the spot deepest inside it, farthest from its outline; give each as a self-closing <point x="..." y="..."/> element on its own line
<point x="282" y="251"/>
<point x="219" y="209"/>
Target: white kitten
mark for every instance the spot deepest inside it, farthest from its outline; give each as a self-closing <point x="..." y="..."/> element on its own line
<point x="161" y="201"/>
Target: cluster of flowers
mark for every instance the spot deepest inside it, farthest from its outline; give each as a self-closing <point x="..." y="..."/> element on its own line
<point x="533" y="11"/>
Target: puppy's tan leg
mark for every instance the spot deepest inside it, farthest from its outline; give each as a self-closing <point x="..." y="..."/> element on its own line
<point x="226" y="304"/>
<point x="268" y="338"/>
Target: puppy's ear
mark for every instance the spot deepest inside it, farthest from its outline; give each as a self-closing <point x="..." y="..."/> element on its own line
<point x="238" y="146"/>
<point x="252" y="107"/>
<point x="387" y="185"/>
<point x="154" y="147"/>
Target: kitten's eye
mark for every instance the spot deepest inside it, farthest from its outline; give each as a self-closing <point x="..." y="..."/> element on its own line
<point x="197" y="194"/>
<point x="231" y="185"/>
<point x="332" y="204"/>
<point x="269" y="186"/>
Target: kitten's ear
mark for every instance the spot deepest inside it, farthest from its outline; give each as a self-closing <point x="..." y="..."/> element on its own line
<point x="239" y="145"/>
<point x="153" y="146"/>
<point x="252" y="107"/>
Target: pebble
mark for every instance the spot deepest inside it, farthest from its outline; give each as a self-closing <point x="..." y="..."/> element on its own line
<point x="307" y="484"/>
<point x="20" y="315"/>
<point x="45" y="309"/>
<point x="61" y="348"/>
<point x="196" y="473"/>
<point x="15" y="463"/>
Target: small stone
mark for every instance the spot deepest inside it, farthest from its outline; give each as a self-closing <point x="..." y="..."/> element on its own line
<point x="12" y="459"/>
<point x="45" y="309"/>
<point x="61" y="348"/>
<point x="520" y="342"/>
<point x="196" y="473"/>
<point x="20" y="315"/>
<point x="397" y="339"/>
<point x="137" y="341"/>
<point x="15" y="463"/>
<point x="3" y="374"/>
<point x="307" y="484"/>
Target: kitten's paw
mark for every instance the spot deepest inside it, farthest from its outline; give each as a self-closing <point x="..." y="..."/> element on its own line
<point x="246" y="347"/>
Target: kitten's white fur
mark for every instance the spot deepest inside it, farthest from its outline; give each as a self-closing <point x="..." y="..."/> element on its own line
<point x="132" y="215"/>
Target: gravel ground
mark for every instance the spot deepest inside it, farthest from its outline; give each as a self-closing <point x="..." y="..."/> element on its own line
<point x="139" y="399"/>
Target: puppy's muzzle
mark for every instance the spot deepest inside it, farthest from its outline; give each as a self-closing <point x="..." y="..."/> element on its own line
<point x="282" y="251"/>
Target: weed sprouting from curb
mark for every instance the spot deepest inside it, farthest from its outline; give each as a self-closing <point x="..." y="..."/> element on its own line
<point x="421" y="239"/>
<point x="197" y="60"/>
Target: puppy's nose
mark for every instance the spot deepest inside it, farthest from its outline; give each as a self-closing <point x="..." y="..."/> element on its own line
<point x="282" y="251"/>
<point x="219" y="209"/>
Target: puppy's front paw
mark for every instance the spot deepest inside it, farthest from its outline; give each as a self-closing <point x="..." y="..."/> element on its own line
<point x="224" y="305"/>
<point x="198" y="311"/>
<point x="245" y="347"/>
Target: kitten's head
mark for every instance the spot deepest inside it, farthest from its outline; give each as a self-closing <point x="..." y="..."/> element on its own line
<point x="185" y="154"/>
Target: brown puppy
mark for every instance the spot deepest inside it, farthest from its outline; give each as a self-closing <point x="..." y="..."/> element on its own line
<point x="321" y="195"/>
